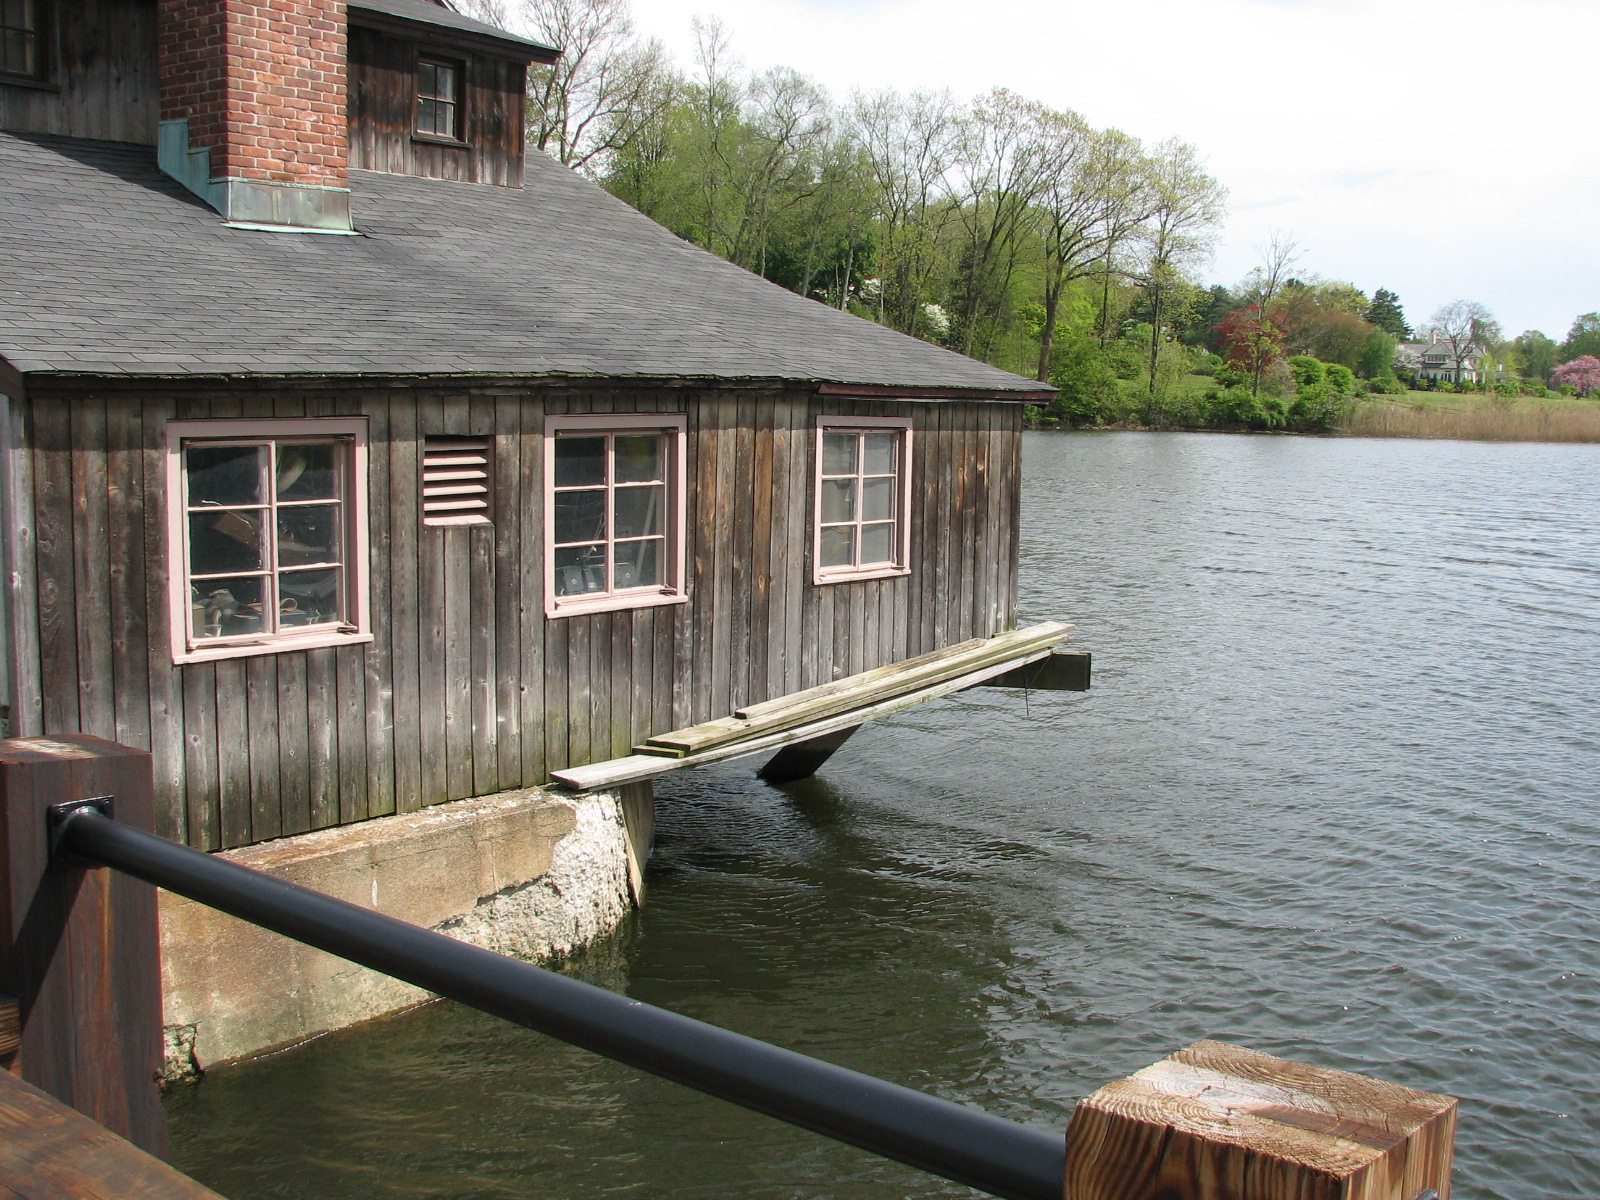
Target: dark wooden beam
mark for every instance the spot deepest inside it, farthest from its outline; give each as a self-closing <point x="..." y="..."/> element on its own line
<point x="1063" y="671"/>
<point x="79" y="947"/>
<point x="887" y="392"/>
<point x="802" y="760"/>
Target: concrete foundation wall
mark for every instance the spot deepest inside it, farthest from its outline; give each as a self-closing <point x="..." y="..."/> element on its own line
<point x="526" y="873"/>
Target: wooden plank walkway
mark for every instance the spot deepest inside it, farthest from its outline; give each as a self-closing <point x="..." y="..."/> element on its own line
<point x="823" y="710"/>
<point x="51" y="1152"/>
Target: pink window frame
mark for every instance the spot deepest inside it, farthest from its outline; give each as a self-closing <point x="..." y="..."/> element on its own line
<point x="353" y="498"/>
<point x="902" y="564"/>
<point x="675" y="590"/>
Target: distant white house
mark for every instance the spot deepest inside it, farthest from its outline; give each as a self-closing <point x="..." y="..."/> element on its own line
<point x="1438" y="359"/>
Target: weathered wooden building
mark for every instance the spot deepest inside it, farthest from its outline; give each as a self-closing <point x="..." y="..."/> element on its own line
<point x="356" y="460"/>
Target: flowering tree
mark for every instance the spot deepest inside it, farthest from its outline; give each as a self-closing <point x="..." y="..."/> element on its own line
<point x="1252" y="342"/>
<point x="1581" y="373"/>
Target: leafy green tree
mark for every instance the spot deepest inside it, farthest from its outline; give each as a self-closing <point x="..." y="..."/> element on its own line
<point x="1376" y="360"/>
<point x="1583" y="338"/>
<point x="1087" y="382"/>
<point x="1340" y="378"/>
<point x="1534" y="355"/>
<point x="1385" y="312"/>
<point x="1308" y="371"/>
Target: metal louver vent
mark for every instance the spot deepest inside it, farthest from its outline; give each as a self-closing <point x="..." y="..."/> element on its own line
<point x="456" y="480"/>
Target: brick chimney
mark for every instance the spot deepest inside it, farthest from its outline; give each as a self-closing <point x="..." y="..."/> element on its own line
<point x="253" y="109"/>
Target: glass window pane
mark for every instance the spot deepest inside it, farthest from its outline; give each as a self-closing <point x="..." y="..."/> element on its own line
<point x="580" y="516"/>
<point x="639" y="458"/>
<point x="580" y="569"/>
<point x="309" y="535"/>
<point x="580" y="461"/>
<point x="444" y="82"/>
<point x="877" y="543"/>
<point x="226" y="607"/>
<point x="879" y="453"/>
<point x="838" y="500"/>
<point x="224" y="541"/>
<point x="639" y="563"/>
<point x="839" y="453"/>
<point x="224" y="475"/>
<point x="309" y="597"/>
<point x="427" y="79"/>
<point x="641" y="511"/>
<point x="307" y="472"/>
<point x="877" y="498"/>
<point x="839" y="546"/>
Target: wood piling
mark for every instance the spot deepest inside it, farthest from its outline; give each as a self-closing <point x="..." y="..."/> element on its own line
<point x="1219" y="1122"/>
<point x="80" y="950"/>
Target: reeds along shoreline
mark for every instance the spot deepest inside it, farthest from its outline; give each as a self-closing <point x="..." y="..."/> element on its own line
<point x="1511" y="422"/>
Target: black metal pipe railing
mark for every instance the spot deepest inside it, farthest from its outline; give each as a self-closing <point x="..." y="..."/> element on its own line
<point x="964" y="1144"/>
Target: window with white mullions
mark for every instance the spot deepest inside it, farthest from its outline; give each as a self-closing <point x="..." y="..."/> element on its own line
<point x="265" y="540"/>
<point x="862" y="478"/>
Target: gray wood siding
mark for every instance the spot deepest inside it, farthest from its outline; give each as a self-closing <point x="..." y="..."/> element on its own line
<point x="104" y="78"/>
<point x="382" y="110"/>
<point x="468" y="688"/>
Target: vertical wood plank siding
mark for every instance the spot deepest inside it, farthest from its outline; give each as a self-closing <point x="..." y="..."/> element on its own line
<point x="468" y="687"/>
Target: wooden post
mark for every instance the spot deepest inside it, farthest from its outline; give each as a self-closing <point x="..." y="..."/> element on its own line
<point x="80" y="950"/>
<point x="1218" y="1122"/>
<point x="801" y="760"/>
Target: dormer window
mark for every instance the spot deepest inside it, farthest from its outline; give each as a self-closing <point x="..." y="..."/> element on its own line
<point x="438" y="98"/>
<point x="22" y="38"/>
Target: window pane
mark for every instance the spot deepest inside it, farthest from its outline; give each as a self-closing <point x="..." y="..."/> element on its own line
<point x="580" y="569"/>
<point x="641" y="511"/>
<point x="580" y="516"/>
<point x="580" y="461"/>
<point x="639" y="458"/>
<point x="444" y="82"/>
<point x="309" y="535"/>
<point x="307" y="472"/>
<point x="838" y="546"/>
<point x="879" y="453"/>
<point x="226" y="607"/>
<point x="224" y="475"/>
<point x="427" y="116"/>
<point x="877" y="498"/>
<point x="639" y="563"/>
<point x="308" y="597"/>
<point x="838" y="500"/>
<point x="877" y="543"/>
<point x="427" y="79"/>
<point x="839" y="453"/>
<point x="224" y="541"/>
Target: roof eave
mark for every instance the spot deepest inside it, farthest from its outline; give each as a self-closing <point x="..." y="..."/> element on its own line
<point x="506" y="47"/>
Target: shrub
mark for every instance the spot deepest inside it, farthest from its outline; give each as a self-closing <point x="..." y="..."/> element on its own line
<point x="1307" y="371"/>
<point x="1318" y="409"/>
<point x="1232" y="408"/>
<point x="1340" y="378"/>
<point x="1087" y="383"/>
<point x="1274" y="413"/>
<point x="1507" y="390"/>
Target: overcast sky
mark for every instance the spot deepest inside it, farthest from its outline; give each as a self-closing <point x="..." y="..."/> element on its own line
<point x="1444" y="149"/>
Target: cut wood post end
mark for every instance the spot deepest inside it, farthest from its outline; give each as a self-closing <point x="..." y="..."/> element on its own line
<point x="1220" y="1122"/>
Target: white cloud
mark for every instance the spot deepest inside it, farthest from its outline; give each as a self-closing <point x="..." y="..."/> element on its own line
<point x="1440" y="148"/>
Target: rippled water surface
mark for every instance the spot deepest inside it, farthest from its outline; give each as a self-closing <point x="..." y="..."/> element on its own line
<point x="1334" y="795"/>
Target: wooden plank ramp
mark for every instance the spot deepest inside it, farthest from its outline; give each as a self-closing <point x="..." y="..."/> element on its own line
<point x="822" y="710"/>
<point x="51" y="1152"/>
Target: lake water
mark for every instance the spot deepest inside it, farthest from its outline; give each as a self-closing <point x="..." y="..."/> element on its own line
<point x="1334" y="795"/>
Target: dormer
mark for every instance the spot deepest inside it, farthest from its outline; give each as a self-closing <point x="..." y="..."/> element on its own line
<point x="436" y="93"/>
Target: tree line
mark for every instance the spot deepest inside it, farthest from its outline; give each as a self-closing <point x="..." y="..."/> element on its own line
<point x="1002" y="228"/>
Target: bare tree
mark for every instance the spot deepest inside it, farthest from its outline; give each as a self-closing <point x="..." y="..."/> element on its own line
<point x="1000" y="173"/>
<point x="1094" y="196"/>
<point x="606" y="90"/>
<point x="1188" y="209"/>
<point x="1468" y="328"/>
<point x="909" y="144"/>
<point x="1265" y="284"/>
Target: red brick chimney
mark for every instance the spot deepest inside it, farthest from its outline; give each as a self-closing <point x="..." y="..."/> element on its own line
<point x="253" y="108"/>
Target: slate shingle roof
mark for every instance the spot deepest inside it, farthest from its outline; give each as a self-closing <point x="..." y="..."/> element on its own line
<point x="108" y="266"/>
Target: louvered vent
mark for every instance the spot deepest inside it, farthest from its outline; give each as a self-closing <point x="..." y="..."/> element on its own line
<point x="456" y="480"/>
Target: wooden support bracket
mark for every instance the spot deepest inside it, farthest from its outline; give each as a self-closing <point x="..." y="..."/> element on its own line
<point x="1219" y="1122"/>
<point x="802" y="760"/>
